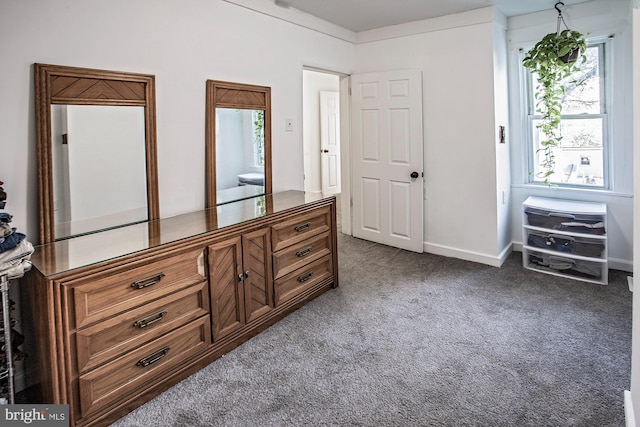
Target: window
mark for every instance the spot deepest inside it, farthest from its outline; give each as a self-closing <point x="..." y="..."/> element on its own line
<point x="581" y="158"/>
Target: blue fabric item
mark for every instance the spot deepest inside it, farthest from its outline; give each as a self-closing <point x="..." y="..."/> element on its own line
<point x="11" y="241"/>
<point x="5" y="217"/>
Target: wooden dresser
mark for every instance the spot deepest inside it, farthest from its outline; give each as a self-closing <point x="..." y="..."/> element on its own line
<point x="121" y="315"/>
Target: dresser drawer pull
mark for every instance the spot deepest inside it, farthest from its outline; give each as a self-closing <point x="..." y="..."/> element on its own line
<point x="303" y="252"/>
<point x="153" y="358"/>
<point x="302" y="227"/>
<point x="305" y="277"/>
<point x="149" y="281"/>
<point x="143" y="323"/>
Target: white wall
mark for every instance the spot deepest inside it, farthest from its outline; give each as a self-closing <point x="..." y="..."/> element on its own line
<point x="183" y="43"/>
<point x="632" y="406"/>
<point x="230" y="141"/>
<point x="461" y="163"/>
<point x="596" y="19"/>
<point x="503" y="162"/>
<point x="313" y="83"/>
<point x="106" y="149"/>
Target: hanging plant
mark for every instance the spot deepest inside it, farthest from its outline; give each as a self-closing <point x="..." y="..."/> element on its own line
<point x="553" y="59"/>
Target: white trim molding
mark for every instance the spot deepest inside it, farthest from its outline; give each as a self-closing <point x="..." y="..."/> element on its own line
<point x="492" y="260"/>
<point x="455" y="20"/>
<point x="630" y="419"/>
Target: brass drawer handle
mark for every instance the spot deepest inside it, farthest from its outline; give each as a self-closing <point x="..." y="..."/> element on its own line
<point x="153" y="358"/>
<point x="149" y="281"/>
<point x="303" y="252"/>
<point x="143" y="323"/>
<point x="303" y="227"/>
<point x="305" y="277"/>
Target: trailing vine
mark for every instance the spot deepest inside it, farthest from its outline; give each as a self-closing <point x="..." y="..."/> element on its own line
<point x="554" y="58"/>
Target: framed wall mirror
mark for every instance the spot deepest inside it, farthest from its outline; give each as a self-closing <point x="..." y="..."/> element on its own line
<point x="96" y="150"/>
<point x="238" y="151"/>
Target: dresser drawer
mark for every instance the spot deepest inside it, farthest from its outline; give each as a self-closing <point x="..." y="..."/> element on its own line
<point x="110" y="338"/>
<point x="133" y="372"/>
<point x="300" y="254"/>
<point x="302" y="279"/>
<point x="300" y="227"/>
<point x="110" y="292"/>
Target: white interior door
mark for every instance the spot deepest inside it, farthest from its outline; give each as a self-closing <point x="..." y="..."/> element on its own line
<point x="330" y="142"/>
<point x="387" y="150"/>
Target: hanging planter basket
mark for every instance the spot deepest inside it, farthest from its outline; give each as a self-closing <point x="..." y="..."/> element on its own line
<point x="570" y="57"/>
<point x="553" y="59"/>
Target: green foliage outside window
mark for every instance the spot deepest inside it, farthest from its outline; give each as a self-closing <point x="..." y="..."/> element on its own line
<point x="258" y="136"/>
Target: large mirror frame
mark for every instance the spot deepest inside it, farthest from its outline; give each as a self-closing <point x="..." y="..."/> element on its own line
<point x="241" y="96"/>
<point x="55" y="84"/>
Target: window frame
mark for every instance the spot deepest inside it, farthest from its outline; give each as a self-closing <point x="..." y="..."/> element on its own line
<point x="604" y="45"/>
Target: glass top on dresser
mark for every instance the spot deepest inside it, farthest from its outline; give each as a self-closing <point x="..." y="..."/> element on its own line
<point x="83" y="251"/>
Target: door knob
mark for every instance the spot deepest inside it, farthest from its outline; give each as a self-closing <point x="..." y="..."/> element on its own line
<point x="324" y="151"/>
<point x="414" y="175"/>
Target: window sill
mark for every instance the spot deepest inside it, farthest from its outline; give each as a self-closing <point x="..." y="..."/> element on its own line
<point x="573" y="190"/>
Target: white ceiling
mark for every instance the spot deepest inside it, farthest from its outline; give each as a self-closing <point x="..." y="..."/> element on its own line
<point x="361" y="15"/>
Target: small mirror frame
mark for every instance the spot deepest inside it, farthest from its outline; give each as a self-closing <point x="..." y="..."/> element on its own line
<point x="56" y="84"/>
<point x="241" y="96"/>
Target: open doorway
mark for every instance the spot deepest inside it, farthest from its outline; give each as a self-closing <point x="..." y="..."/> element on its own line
<point x="316" y="81"/>
<point x="321" y="132"/>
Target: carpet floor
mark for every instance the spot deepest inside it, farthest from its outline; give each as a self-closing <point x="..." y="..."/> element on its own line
<point x="422" y="340"/>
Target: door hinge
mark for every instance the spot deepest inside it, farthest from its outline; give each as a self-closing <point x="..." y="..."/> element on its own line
<point x="349" y="91"/>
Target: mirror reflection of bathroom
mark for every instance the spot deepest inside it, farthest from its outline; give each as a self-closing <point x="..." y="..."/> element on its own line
<point x="240" y="154"/>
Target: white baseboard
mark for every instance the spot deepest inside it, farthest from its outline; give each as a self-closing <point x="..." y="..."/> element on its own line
<point x="621" y="264"/>
<point x="492" y="260"/>
<point x="630" y="419"/>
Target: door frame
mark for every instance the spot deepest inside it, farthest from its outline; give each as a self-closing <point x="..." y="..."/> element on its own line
<point x="346" y="208"/>
<point x="345" y="145"/>
<point x="345" y="155"/>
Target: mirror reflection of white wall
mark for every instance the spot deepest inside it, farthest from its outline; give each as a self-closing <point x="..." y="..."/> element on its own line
<point x="100" y="173"/>
<point x="230" y="135"/>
